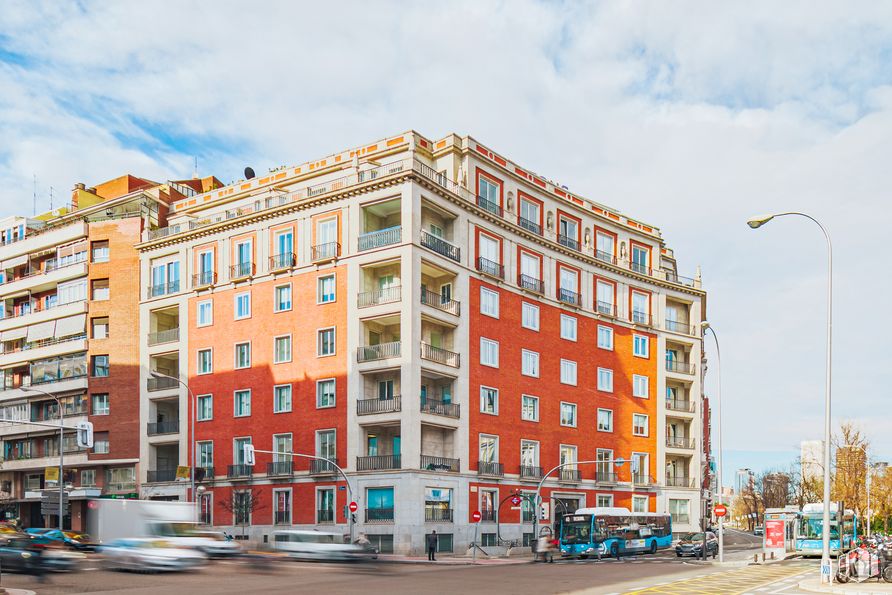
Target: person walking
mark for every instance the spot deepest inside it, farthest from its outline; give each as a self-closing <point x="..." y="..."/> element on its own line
<point x="432" y="542"/>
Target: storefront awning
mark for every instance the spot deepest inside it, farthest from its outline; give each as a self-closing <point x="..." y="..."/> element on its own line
<point x="72" y="325"/>
<point x="40" y="331"/>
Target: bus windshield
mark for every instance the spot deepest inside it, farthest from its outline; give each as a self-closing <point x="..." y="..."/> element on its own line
<point x="577" y="531"/>
<point x="811" y="528"/>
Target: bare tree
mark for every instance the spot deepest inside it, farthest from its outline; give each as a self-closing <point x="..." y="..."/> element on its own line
<point x="242" y="504"/>
<point x="774" y="487"/>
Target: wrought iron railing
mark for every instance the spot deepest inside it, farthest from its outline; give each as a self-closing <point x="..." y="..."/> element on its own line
<point x="280" y="262"/>
<point x="570" y="475"/>
<point x="679" y="482"/>
<point x="282" y="517"/>
<point x="568" y="242"/>
<point x="678" y="366"/>
<point x="440" y="246"/>
<point x="607" y="257"/>
<point x="431" y="463"/>
<point x="204" y="278"/>
<point x="279" y="468"/>
<point x="386" y="295"/>
<point x="373" y="406"/>
<point x="239" y="471"/>
<point x="382" y="237"/>
<point x="327" y="251"/>
<point x="437" y="407"/>
<point x="325" y="515"/>
<point x="153" y="384"/>
<point x="569" y="297"/>
<point x="530" y="472"/>
<point x="644" y="318"/>
<point x="679" y="442"/>
<point x="440" y="302"/>
<point x="491" y="268"/>
<point x="679" y="327"/>
<point x="490" y="468"/>
<point x="605" y="476"/>
<point x="488" y="205"/>
<point x="160" y="475"/>
<point x="433" y="514"/>
<point x="379" y="515"/>
<point x="531" y="283"/>
<point x="320" y="467"/>
<point x="679" y="405"/>
<point x="378" y="462"/>
<point x="163" y="289"/>
<point x="606" y="308"/>
<point x="440" y="355"/>
<point x="530" y="226"/>
<point x="369" y="353"/>
<point x="241" y="270"/>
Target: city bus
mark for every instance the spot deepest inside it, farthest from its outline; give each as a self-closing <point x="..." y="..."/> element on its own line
<point x="613" y="531"/>
<point x="843" y="532"/>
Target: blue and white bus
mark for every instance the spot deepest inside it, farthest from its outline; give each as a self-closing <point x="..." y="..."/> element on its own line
<point x="614" y="532"/>
<point x="843" y="532"/>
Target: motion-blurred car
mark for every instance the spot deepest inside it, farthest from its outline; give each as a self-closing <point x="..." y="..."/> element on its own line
<point x="760" y="530"/>
<point x="188" y="535"/>
<point x="147" y="554"/>
<point x="76" y="541"/>
<point x="316" y="545"/>
<point x="18" y="553"/>
<point x="691" y="544"/>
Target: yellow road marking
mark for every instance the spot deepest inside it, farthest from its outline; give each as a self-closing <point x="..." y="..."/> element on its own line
<point x="731" y="582"/>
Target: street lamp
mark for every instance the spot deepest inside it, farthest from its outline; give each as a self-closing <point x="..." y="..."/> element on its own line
<point x="718" y="411"/>
<point x="157" y="374"/>
<point x="866" y="478"/>
<point x="61" y="450"/>
<point x="755" y="223"/>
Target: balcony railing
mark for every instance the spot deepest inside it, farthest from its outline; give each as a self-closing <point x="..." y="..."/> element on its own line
<point x="607" y="257"/>
<point x="159" y="475"/>
<point x="527" y="515"/>
<point x="679" y="367"/>
<point x="204" y="474"/>
<point x="325" y="516"/>
<point x="606" y="308"/>
<point x="568" y="242"/>
<point x="490" y="468"/>
<point x="679" y="482"/>
<point x="282" y="517"/>
<point x="679" y="327"/>
<point x="569" y="297"/>
<point x="678" y="405"/>
<point x="167" y="336"/>
<point x="163" y="427"/>
<point x="605" y="476"/>
<point x="430" y="463"/>
<point x="379" y="296"/>
<point x="121" y="486"/>
<point x="204" y="279"/>
<point x="488" y="205"/>
<point x="281" y="262"/>
<point x="239" y="471"/>
<point x="572" y="475"/>
<point x="530" y="472"/>
<point x="327" y="251"/>
<point x="530" y="226"/>
<point x="531" y="283"/>
<point x="679" y="442"/>
<point x="440" y="302"/>
<point x="488" y="514"/>
<point x="642" y="479"/>
<point x="639" y="317"/>
<point x="491" y="268"/>
<point x="373" y="406"/>
<point x="440" y="246"/>
<point x="378" y="463"/>
<point x="327" y="467"/>
<point x="437" y="407"/>
<point x="641" y="268"/>
<point x="440" y="355"/>
<point x="437" y="515"/>
<point x="379" y="515"/>
<point x="241" y="270"/>
<point x="370" y="353"/>
<point x="154" y="384"/>
<point x="279" y="468"/>
<point x="163" y="289"/>
<point x="380" y="238"/>
<point x="44" y="343"/>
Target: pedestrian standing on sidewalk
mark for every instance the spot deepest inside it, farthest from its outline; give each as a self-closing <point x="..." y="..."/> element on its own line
<point x="432" y="542"/>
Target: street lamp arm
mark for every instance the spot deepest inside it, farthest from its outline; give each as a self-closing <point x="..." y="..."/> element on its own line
<point x="61" y="451"/>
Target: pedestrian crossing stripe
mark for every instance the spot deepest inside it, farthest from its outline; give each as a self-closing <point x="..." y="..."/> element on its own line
<point x="731" y="582"/>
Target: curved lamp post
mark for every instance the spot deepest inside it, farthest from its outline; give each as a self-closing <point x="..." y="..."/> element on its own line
<point x="718" y="411"/>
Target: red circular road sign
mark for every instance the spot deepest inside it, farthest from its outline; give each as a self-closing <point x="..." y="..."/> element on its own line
<point x="354" y="507"/>
<point x="515" y="500"/>
<point x="476" y="516"/>
<point x="720" y="510"/>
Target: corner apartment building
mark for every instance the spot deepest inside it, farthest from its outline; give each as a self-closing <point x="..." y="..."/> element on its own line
<point x="444" y="324"/>
<point x="69" y="301"/>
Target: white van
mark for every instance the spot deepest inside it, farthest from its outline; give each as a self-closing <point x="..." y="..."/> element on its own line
<point x="316" y="545"/>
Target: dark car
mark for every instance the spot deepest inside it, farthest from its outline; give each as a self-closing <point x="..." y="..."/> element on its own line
<point x="691" y="544"/>
<point x="19" y="553"/>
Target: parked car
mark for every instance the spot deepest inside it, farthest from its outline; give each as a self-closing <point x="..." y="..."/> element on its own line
<point x="76" y="541"/>
<point x="317" y="545"/>
<point x="691" y="544"/>
<point x="759" y="530"/>
<point x="147" y="554"/>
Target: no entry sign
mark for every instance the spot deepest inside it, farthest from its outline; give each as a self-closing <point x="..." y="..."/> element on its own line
<point x="720" y="510"/>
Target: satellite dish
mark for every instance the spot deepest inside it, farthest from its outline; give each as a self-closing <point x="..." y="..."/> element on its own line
<point x="249" y="173"/>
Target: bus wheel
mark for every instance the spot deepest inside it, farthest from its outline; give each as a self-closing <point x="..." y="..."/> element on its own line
<point x="653" y="547"/>
<point x="614" y="551"/>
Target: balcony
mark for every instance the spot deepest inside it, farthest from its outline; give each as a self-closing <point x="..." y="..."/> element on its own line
<point x="369" y="353"/>
<point x="37" y="313"/>
<point x="530" y="472"/>
<point x="435" y="300"/>
<point x="490" y="468"/>
<point x="489" y="206"/>
<point x="325" y="252"/>
<point x="569" y="297"/>
<point x="241" y="270"/>
<point x="568" y="242"/>
<point x="379" y="515"/>
<point x="154" y="291"/>
<point x="239" y="471"/>
<point x="605" y="477"/>
<point x="680" y="327"/>
<point x="440" y="246"/>
<point x="379" y="296"/>
<point x="380" y="238"/>
<point x="440" y="355"/>
<point x="116" y="487"/>
<point x="203" y="279"/>
<point x="531" y="283"/>
<point x="163" y="427"/>
<point x="679" y="482"/>
<point x="38" y="280"/>
<point x="677" y="405"/>
<point x="679" y="367"/>
<point x="641" y="268"/>
<point x="607" y="257"/>
<point x="488" y="514"/>
<point x="282" y="262"/>
<point x="437" y="407"/>
<point x="166" y="336"/>
<point x="161" y="475"/>
<point x="437" y="515"/>
<point x="43" y="349"/>
<point x="570" y="475"/>
<point x="491" y="268"/>
<point x="156" y="384"/>
<point x="430" y="463"/>
<point x="644" y="318"/>
<point x="680" y="442"/>
<point x="530" y="226"/>
<point x="378" y="463"/>
<point x="606" y="308"/>
<point x="373" y="406"/>
<point x="279" y="468"/>
<point x="643" y="480"/>
<point x="327" y="467"/>
<point x="282" y="517"/>
<point x="204" y="474"/>
<point x="325" y="516"/>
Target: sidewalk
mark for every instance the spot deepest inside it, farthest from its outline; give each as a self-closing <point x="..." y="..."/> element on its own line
<point x="866" y="588"/>
<point x="452" y="560"/>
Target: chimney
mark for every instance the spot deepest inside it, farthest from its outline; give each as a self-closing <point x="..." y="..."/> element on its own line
<point x="78" y="186"/>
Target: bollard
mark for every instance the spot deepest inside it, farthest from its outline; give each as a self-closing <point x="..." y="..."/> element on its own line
<point x="763" y="556"/>
<point x="755" y="558"/>
<point x="772" y="555"/>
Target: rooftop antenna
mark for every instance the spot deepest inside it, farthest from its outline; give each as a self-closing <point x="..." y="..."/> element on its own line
<point x="195" y="168"/>
<point x="51" y="198"/>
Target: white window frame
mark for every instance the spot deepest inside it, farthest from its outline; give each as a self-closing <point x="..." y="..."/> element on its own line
<point x="608" y="332"/>
<point x="319" y="332"/>
<point x="198" y="409"/>
<point x="533" y="357"/>
<point x="480" y="438"/>
<point x="235" y="299"/>
<point x="235" y="402"/>
<point x="605" y="380"/>
<point x="494" y="296"/>
<point x="276" y="400"/>
<point x="533" y="310"/>
<point x="334" y="398"/>
<point x="569" y="365"/>
<point x="640" y="340"/>
<point x="276" y="359"/>
<point x="495" y="410"/>
<point x="575" y="409"/>
<point x="319" y="294"/>
<point x="235" y="362"/>
<point x="635" y="417"/>
<point x="640" y="381"/>
<point x="495" y="345"/>
<point x="198" y="305"/>
<point x="639" y="498"/>
<point x="609" y="498"/>
<point x="574" y="326"/>
<point x="609" y="428"/>
<point x="105" y="410"/>
<point x="210" y="370"/>
<point x="276" y="307"/>
<point x="535" y="417"/>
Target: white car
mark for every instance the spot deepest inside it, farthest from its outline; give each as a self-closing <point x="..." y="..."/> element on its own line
<point x="316" y="545"/>
<point x="189" y="535"/>
<point x="149" y="554"/>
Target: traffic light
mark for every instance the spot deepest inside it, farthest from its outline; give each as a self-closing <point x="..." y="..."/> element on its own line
<point x="249" y="454"/>
<point x="85" y="434"/>
<point x="353" y="517"/>
<point x="543" y="512"/>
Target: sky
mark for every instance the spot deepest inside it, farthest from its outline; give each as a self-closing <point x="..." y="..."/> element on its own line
<point x="688" y="115"/>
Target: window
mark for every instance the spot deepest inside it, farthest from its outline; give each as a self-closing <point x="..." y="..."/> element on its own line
<point x="605" y="337"/>
<point x="679" y="510"/>
<point x="530" y="316"/>
<point x="605" y="420"/>
<point x="606" y="297"/>
<point x="205" y="267"/>
<point x="640" y="504"/>
<point x="282" y="349"/>
<point x="165" y="278"/>
<point x="529" y="453"/>
<point x="640" y="259"/>
<point x="604" y="244"/>
<point x="72" y="291"/>
<point x="531" y="271"/>
<point x="282" y="298"/>
<point x="380" y="504"/>
<point x="569" y="229"/>
<point x="326" y="444"/>
<point x="325" y="342"/>
<point x="639" y="424"/>
<point x="489" y="400"/>
<point x="640" y="307"/>
<point x="489" y="448"/>
<point x="241" y="506"/>
<point x="100" y="366"/>
<point x="100" y="404"/>
<point x="325" y="289"/>
<point x="242" y="400"/>
<point x="640" y="346"/>
<point x="284" y="247"/>
<point x="568" y="455"/>
<point x="325" y="393"/>
<point x="569" y="280"/>
<point x="242" y="355"/>
<point x="282" y="398"/>
<point x="488" y="190"/>
<point x="99" y="290"/>
<point x="238" y="450"/>
<point x="604" y="500"/>
<point x="100" y="443"/>
<point x="99" y="251"/>
<point x="325" y="505"/>
<point x="99" y="328"/>
<point x="568" y="414"/>
<point x="489" y="352"/>
<point x="568" y="372"/>
<point x="282" y="515"/>
<point x="205" y="362"/>
<point x="242" y="305"/>
<point x="88" y="478"/>
<point x="568" y="327"/>
<point x="205" y="454"/>
<point x="489" y="302"/>
<point x="327" y="235"/>
<point x="529" y="409"/>
<point x="282" y="443"/>
<point x="205" y="408"/>
<point x="605" y="380"/>
<point x="639" y="386"/>
<point x="205" y="312"/>
<point x="529" y="213"/>
<point x="530" y="363"/>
